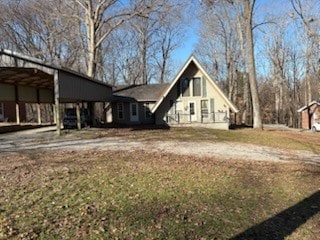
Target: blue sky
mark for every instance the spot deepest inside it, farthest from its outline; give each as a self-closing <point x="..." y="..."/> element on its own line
<point x="187" y="46"/>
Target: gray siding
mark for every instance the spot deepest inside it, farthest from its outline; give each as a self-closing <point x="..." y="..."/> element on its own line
<point x="210" y="94"/>
<point x="126" y="114"/>
<point x="73" y="88"/>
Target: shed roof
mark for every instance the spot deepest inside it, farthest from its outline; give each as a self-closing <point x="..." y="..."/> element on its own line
<point x="308" y="105"/>
<point x="140" y="93"/>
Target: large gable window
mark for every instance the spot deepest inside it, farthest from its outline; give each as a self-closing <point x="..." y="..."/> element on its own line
<point x="193" y="87"/>
<point x="196" y="87"/>
<point x="185" y="87"/>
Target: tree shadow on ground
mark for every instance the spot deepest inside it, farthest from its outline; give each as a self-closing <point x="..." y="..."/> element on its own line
<point x="285" y="222"/>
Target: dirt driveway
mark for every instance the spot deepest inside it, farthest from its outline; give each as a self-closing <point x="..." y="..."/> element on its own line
<point x="45" y="139"/>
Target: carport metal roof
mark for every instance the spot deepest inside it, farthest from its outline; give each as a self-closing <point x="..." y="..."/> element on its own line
<point x="27" y="79"/>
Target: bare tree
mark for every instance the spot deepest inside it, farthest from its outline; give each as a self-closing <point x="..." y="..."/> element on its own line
<point x="307" y="12"/>
<point x="248" y="7"/>
<point x="248" y="15"/>
<point x="98" y="19"/>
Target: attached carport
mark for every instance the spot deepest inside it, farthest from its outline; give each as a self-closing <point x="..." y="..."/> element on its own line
<point x="30" y="80"/>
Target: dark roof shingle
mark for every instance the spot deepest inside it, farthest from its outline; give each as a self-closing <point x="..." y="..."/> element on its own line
<point x="142" y="93"/>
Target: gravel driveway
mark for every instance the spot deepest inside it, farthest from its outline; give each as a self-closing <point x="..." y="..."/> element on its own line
<point x="44" y="139"/>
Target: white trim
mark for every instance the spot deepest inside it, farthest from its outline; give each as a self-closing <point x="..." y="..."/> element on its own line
<point x="194" y="116"/>
<point x="308" y="105"/>
<point x="178" y="76"/>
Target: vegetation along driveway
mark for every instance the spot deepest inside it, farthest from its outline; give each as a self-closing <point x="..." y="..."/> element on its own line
<point x="188" y="141"/>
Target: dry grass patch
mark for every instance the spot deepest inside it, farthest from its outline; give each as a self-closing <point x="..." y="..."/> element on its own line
<point x="272" y="138"/>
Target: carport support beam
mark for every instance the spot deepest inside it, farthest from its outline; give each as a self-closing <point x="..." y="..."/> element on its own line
<point x="57" y="102"/>
<point x="78" y="116"/>
<point x="38" y="106"/>
<point x="39" y="113"/>
<point x="17" y="114"/>
<point x="16" y="93"/>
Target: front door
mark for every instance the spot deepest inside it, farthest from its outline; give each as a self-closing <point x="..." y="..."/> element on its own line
<point x="1" y="112"/>
<point x="192" y="111"/>
<point x="134" y="114"/>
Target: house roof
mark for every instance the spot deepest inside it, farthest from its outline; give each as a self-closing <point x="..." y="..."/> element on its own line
<point x="140" y="93"/>
<point x="308" y="105"/>
<point x="178" y="76"/>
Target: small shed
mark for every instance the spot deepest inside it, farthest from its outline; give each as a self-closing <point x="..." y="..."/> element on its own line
<point x="310" y="114"/>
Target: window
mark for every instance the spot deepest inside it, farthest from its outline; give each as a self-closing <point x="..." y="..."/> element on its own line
<point x="120" y="110"/>
<point x="147" y="110"/>
<point x="212" y="105"/>
<point x="196" y="87"/>
<point x="204" y="87"/>
<point x="204" y="108"/>
<point x="185" y="87"/>
<point x="134" y="109"/>
<point x="191" y="106"/>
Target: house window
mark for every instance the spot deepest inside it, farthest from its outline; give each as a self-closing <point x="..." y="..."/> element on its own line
<point x="120" y="111"/>
<point x="196" y="87"/>
<point x="204" y="108"/>
<point x="185" y="87"/>
<point x="204" y="87"/>
<point x="134" y="109"/>
<point x="191" y="106"/>
<point x="212" y="105"/>
<point x="147" y="110"/>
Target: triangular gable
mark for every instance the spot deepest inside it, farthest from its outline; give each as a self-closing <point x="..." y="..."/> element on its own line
<point x="308" y="105"/>
<point x="178" y="76"/>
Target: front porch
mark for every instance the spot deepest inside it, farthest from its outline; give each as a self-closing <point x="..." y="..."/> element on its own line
<point x="217" y="120"/>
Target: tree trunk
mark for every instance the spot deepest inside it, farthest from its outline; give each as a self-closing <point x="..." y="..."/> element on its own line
<point x="307" y="90"/>
<point x="257" y="122"/>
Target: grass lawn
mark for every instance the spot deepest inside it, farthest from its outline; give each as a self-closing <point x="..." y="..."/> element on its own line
<point x="138" y="195"/>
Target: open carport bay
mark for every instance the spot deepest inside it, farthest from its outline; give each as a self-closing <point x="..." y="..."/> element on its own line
<point x="24" y="79"/>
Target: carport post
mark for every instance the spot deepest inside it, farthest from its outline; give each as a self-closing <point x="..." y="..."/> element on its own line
<point x="54" y="114"/>
<point x="57" y="102"/>
<point x="17" y="104"/>
<point x="78" y="116"/>
<point x="39" y="113"/>
<point x="38" y="107"/>
<point x="17" y="113"/>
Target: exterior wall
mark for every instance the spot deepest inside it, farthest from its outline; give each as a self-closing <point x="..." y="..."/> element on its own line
<point x="9" y="112"/>
<point x="74" y="88"/>
<point x="220" y="105"/>
<point x="142" y="119"/>
<point x="1" y="112"/>
<point x="310" y="116"/>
